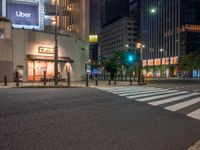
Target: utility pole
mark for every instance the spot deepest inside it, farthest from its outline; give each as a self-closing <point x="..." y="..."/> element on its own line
<point x="56" y="48"/>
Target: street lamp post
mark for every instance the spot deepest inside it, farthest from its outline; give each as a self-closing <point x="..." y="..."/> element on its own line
<point x="56" y="48"/>
<point x="150" y="11"/>
<point x="140" y="64"/>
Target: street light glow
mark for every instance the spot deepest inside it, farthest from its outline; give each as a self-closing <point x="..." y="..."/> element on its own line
<point x="140" y="45"/>
<point x="153" y="10"/>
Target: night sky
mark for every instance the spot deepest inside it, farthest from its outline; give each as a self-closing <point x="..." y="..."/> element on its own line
<point x="94" y="16"/>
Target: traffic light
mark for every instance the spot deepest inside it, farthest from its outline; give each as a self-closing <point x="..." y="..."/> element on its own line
<point x="130" y="58"/>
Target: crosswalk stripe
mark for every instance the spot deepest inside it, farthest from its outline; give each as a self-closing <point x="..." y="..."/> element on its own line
<point x="172" y="99"/>
<point x="140" y="92"/>
<point x="136" y="90"/>
<point x="151" y="94"/>
<point x="128" y="91"/>
<point x="164" y="95"/>
<point x="128" y="88"/>
<point x="195" y="114"/>
<point x="183" y="104"/>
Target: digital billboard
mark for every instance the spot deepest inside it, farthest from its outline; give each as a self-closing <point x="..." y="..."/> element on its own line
<point x="23" y="14"/>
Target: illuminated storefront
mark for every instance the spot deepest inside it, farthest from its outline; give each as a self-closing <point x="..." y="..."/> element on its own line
<point x="35" y="52"/>
<point x="37" y="65"/>
<point x="154" y="66"/>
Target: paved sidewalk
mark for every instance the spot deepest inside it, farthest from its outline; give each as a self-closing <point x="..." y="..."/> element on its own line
<point x="9" y="85"/>
<point x="72" y="84"/>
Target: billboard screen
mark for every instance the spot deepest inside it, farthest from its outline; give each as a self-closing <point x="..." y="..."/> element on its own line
<point x="23" y="14"/>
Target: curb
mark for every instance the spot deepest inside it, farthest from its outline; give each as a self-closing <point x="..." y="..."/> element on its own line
<point x="196" y="146"/>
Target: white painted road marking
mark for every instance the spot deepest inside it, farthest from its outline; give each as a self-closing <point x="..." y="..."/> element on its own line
<point x="183" y="104"/>
<point x="195" y="114"/>
<point x="172" y="99"/>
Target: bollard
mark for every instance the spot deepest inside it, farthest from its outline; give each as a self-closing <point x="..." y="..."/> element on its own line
<point x="5" y="80"/>
<point x="87" y="84"/>
<point x="45" y="78"/>
<point x="115" y="81"/>
<point x="17" y="78"/>
<point x="68" y="79"/>
<point x="96" y="82"/>
<point x="109" y="81"/>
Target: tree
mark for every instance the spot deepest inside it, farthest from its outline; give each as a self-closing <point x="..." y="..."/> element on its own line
<point x="155" y="69"/>
<point x="162" y="70"/>
<point x="189" y="62"/>
<point x="148" y="68"/>
<point x="111" y="67"/>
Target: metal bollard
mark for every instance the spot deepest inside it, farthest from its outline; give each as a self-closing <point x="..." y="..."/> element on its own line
<point x="109" y="81"/>
<point x="17" y="78"/>
<point x="115" y="81"/>
<point x="96" y="82"/>
<point x="5" y="80"/>
<point x="45" y="78"/>
<point x="87" y="84"/>
<point x="68" y="79"/>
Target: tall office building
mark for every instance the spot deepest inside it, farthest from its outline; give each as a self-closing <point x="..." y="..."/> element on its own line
<point x="170" y="32"/>
<point x="112" y="10"/>
<point x="119" y="30"/>
<point x="120" y="35"/>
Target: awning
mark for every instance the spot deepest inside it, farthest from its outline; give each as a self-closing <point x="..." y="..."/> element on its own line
<point x="48" y="58"/>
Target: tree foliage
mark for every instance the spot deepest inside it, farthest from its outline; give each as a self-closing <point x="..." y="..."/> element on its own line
<point x="189" y="62"/>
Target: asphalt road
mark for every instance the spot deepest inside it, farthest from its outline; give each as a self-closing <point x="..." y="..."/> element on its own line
<point x="88" y="119"/>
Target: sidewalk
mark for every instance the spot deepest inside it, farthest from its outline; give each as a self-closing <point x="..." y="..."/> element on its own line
<point x="72" y="84"/>
<point x="9" y="85"/>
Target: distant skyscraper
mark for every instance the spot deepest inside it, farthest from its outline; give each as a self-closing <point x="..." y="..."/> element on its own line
<point x="112" y="10"/>
<point x="172" y="31"/>
<point x="119" y="30"/>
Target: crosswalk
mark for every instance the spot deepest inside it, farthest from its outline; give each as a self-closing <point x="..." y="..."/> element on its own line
<point x="172" y="100"/>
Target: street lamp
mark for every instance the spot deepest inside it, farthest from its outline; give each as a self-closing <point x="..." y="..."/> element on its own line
<point x="140" y="46"/>
<point x="56" y="48"/>
<point x="150" y="11"/>
<point x="153" y="10"/>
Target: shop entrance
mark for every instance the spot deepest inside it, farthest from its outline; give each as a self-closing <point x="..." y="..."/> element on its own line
<point x="36" y="70"/>
<point x="37" y="65"/>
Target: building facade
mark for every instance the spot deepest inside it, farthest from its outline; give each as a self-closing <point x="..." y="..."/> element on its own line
<point x="112" y="10"/>
<point x="6" y="52"/>
<point x="172" y="31"/>
<point x="72" y="15"/>
<point x="32" y="36"/>
<point x="121" y="35"/>
<point x="94" y="48"/>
